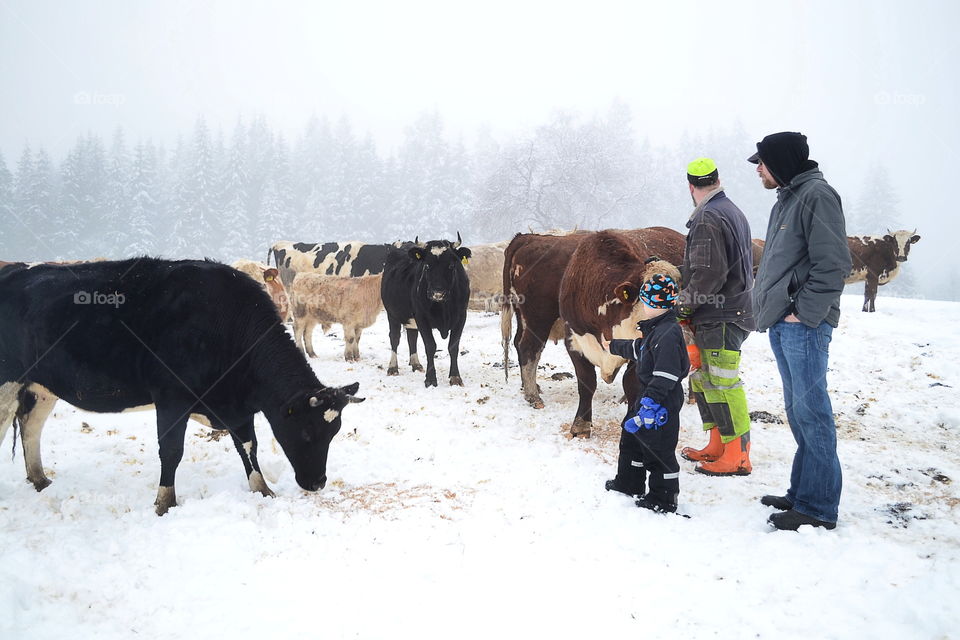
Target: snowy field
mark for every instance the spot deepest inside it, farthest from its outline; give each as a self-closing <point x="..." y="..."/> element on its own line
<point x="464" y="513"/>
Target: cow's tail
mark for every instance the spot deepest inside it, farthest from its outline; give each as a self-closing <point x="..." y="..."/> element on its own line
<point x="9" y="405"/>
<point x="506" y="327"/>
<point x="507" y="299"/>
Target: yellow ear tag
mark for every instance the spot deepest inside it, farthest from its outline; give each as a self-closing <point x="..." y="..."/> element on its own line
<point x="464" y="260"/>
<point x="418" y="255"/>
<point x="626" y="295"/>
<point x="268" y="279"/>
<point x="290" y="411"/>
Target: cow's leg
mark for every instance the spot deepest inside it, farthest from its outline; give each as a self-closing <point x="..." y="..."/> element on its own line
<point x="309" y="324"/>
<point x="631" y="387"/>
<point x="529" y="347"/>
<point x="298" y="333"/>
<point x="350" y="351"/>
<point x="430" y="346"/>
<point x="412" y="346"/>
<point x="453" y="348"/>
<point x="586" y="387"/>
<point x="171" y="427"/>
<point x="35" y="406"/>
<point x="870" y="293"/>
<point x="245" y="440"/>
<point x="394" y="325"/>
<point x="356" y="342"/>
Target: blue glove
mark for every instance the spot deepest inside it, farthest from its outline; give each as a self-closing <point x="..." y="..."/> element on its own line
<point x="650" y="416"/>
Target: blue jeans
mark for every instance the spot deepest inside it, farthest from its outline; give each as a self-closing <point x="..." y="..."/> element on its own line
<point x="802" y="354"/>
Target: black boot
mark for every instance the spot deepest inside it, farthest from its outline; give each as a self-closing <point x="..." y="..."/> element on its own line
<point x="648" y="502"/>
<point x="777" y="502"/>
<point x="792" y="520"/>
<point x="611" y="485"/>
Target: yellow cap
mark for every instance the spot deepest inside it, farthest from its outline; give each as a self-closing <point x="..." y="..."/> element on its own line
<point x="701" y="167"/>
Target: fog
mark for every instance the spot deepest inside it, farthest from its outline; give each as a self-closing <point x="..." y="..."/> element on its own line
<point x="872" y="84"/>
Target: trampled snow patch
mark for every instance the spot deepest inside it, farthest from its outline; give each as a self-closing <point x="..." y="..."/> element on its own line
<point x="463" y="512"/>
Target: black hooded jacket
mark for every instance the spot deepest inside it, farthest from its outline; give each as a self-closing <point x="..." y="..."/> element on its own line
<point x="662" y="361"/>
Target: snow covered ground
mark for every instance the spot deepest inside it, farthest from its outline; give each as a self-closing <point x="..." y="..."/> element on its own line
<point x="464" y="513"/>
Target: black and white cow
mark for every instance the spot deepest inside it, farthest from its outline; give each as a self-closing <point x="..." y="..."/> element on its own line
<point x="328" y="258"/>
<point x="425" y="287"/>
<point x="877" y="259"/>
<point x="185" y="336"/>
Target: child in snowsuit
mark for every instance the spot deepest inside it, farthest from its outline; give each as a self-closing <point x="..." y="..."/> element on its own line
<point x="648" y="441"/>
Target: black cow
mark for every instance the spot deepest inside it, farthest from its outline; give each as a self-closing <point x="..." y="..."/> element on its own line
<point x="425" y="287"/>
<point x="352" y="259"/>
<point x="185" y="336"/>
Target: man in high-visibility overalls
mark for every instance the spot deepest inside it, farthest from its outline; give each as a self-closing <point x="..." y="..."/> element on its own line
<point x="717" y="300"/>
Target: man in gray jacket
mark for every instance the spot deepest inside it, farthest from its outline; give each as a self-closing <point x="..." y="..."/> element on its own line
<point x="716" y="299"/>
<point x="797" y="299"/>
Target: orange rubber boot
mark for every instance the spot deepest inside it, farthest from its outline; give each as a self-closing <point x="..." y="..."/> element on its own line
<point x="734" y="461"/>
<point x="709" y="453"/>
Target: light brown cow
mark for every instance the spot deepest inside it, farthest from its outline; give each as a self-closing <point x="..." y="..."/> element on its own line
<point x="354" y="303"/>
<point x="269" y="279"/>
<point x="485" y="270"/>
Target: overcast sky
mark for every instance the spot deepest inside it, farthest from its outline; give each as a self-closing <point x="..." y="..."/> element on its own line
<point x="868" y="82"/>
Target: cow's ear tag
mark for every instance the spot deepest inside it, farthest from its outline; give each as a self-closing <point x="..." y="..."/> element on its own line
<point x="464" y="260"/>
<point x="418" y="255"/>
<point x="626" y="294"/>
<point x="290" y="411"/>
<point x="268" y="279"/>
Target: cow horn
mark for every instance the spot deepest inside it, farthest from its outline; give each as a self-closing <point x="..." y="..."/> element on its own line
<point x="889" y="233"/>
<point x="314" y="401"/>
<point x="459" y="241"/>
<point x="355" y="399"/>
<point x="914" y="231"/>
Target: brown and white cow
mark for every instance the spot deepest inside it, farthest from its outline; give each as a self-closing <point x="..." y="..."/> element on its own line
<point x="534" y="267"/>
<point x="485" y="270"/>
<point x="598" y="295"/>
<point x="269" y="279"/>
<point x="876" y="260"/>
<point x="354" y="303"/>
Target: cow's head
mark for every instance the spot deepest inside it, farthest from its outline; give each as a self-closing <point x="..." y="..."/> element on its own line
<point x="308" y="422"/>
<point x="902" y="241"/>
<point x="440" y="263"/>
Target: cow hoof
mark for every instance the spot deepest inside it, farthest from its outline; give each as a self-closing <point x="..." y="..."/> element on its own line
<point x="259" y="485"/>
<point x="580" y="428"/>
<point x="416" y="367"/>
<point x="40" y="484"/>
<point x="430" y="382"/>
<point x="166" y="498"/>
<point x="456" y="381"/>
<point x="536" y="403"/>
<point x="393" y="371"/>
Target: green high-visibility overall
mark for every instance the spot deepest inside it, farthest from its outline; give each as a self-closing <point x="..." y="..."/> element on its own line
<point x="716" y="385"/>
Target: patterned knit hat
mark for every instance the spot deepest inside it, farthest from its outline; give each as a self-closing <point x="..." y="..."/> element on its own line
<point x="659" y="292"/>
